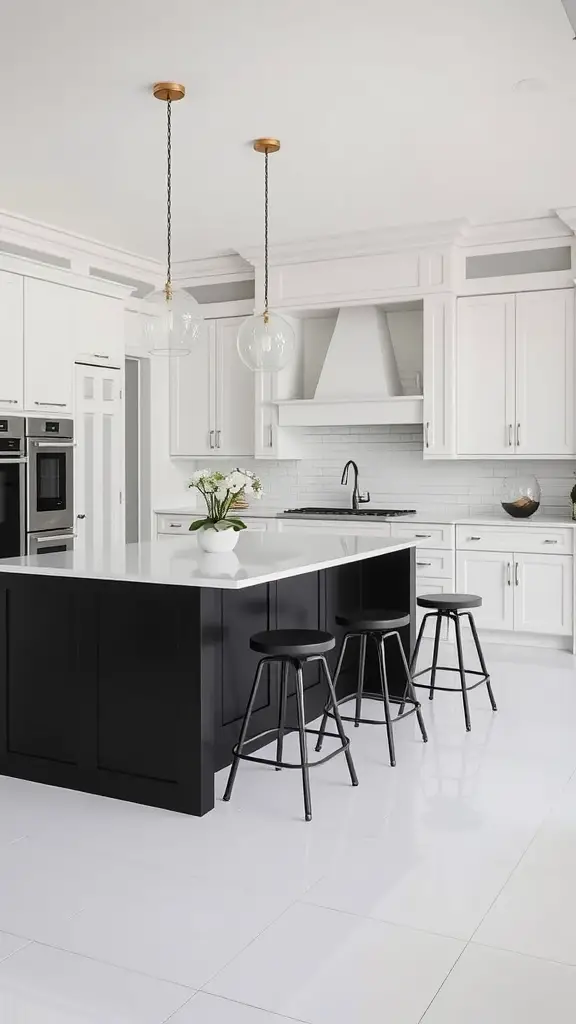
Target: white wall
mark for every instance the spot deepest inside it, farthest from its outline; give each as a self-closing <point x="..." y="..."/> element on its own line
<point x="392" y="469"/>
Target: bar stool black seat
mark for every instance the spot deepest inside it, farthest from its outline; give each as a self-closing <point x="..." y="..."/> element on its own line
<point x="378" y="625"/>
<point x="452" y="607"/>
<point x="291" y="647"/>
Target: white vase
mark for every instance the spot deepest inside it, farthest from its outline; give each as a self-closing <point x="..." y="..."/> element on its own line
<point x="217" y="540"/>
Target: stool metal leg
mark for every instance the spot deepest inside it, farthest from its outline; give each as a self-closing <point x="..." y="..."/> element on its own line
<point x="481" y="659"/>
<point x="339" y="723"/>
<point x="385" y="697"/>
<point x="303" y="744"/>
<point x="435" y="655"/>
<point x="339" y="664"/>
<point x="282" y="713"/>
<point x="361" y="671"/>
<point x="416" y="652"/>
<point x="410" y="687"/>
<point x="462" y="671"/>
<point x="244" y="729"/>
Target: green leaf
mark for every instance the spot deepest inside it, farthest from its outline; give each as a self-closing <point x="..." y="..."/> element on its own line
<point x="200" y="524"/>
<point x="237" y="524"/>
<point x="223" y="524"/>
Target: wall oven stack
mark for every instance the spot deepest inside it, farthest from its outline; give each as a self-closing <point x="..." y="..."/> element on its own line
<point x="50" y="490"/>
<point x="13" y="465"/>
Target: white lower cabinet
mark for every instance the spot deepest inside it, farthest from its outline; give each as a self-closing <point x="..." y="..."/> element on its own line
<point x="543" y="594"/>
<point x="530" y="593"/>
<point x="425" y="585"/>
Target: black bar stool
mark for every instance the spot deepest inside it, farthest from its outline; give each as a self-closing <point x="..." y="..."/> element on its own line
<point x="452" y="607"/>
<point x="294" y="647"/>
<point x="378" y="626"/>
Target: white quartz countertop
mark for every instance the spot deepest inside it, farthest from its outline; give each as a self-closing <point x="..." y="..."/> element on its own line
<point x="258" y="558"/>
<point x="496" y="519"/>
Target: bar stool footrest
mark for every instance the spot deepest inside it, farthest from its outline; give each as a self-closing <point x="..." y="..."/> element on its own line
<point x="484" y="678"/>
<point x="273" y="733"/>
<point x="374" y="721"/>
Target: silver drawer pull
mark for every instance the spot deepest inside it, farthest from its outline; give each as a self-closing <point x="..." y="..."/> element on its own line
<point x="55" y="405"/>
<point x="53" y="444"/>
<point x="8" y="401"/>
<point x="51" y="540"/>
<point x="550" y="541"/>
<point x="423" y="563"/>
<point x="175" y="526"/>
<point x="99" y="355"/>
<point x="423" y="536"/>
<point x="474" y="538"/>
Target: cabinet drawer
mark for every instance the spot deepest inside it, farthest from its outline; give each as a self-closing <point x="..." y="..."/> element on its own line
<point x="329" y="526"/>
<point x="433" y="535"/>
<point x="174" y="524"/>
<point x="434" y="562"/>
<point x="552" y="540"/>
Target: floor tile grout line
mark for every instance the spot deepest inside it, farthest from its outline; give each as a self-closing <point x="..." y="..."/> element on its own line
<point x="440" y="987"/>
<point x="529" y="956"/>
<point x="383" y="920"/>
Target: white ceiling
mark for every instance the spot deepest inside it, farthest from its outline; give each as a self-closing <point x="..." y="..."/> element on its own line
<point x="389" y="112"/>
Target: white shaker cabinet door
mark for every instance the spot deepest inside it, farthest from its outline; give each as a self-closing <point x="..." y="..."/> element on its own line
<point x="439" y="382"/>
<point x="490" y="575"/>
<point x="99" y="458"/>
<point x="234" y="393"/>
<point x="545" y="421"/>
<point x="49" y="347"/>
<point x="485" y="354"/>
<point x="12" y="341"/>
<point x="192" y="398"/>
<point x="543" y="594"/>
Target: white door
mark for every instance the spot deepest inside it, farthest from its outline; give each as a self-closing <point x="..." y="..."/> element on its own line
<point x="439" y="363"/>
<point x="49" y="346"/>
<point x="99" y="458"/>
<point x="545" y="414"/>
<point x="234" y="393"/>
<point x="192" y="398"/>
<point x="543" y="594"/>
<point x="490" y="575"/>
<point x="12" y="341"/>
<point x="485" y="375"/>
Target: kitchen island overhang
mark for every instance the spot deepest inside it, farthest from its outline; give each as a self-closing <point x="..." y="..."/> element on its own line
<point x="126" y="673"/>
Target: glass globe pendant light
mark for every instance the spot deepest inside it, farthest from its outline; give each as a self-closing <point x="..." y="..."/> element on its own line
<point x="265" y="340"/>
<point x="173" y="330"/>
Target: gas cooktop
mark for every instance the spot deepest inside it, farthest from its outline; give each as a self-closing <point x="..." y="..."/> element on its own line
<point x="377" y="513"/>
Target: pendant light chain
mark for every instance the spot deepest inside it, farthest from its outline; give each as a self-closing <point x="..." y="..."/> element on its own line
<point x="168" y="288"/>
<point x="266" y="236"/>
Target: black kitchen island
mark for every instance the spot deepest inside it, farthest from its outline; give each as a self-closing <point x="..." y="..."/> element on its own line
<point x="127" y="673"/>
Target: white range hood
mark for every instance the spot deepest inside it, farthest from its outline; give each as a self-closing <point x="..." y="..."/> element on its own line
<point x="359" y="381"/>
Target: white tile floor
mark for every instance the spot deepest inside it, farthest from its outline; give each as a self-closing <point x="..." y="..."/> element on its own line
<point x="438" y="892"/>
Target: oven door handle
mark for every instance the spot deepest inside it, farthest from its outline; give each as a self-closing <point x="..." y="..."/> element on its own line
<point x="53" y="539"/>
<point x="53" y="444"/>
<point x="13" y="462"/>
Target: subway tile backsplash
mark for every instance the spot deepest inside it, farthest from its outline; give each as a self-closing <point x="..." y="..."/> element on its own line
<point x="393" y="470"/>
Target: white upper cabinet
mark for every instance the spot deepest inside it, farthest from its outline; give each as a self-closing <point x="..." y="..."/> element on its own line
<point x="234" y="384"/>
<point x="49" y="347"/>
<point x="12" y="341"/>
<point x="438" y="366"/>
<point x="545" y="422"/>
<point x="515" y="375"/>
<point x="212" y="396"/>
<point x="485" y="375"/>
<point x="99" y="328"/>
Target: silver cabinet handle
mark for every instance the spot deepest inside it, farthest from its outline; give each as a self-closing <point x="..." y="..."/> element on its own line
<point x="509" y="574"/>
<point x="53" y="405"/>
<point x="423" y="563"/>
<point x="550" y="541"/>
<point x="8" y="401"/>
<point x="517" y="435"/>
<point x="99" y="355"/>
<point x="516" y="577"/>
<point x="53" y="444"/>
<point x="423" y="536"/>
<point x="474" y="538"/>
<point x="211" y="438"/>
<point x="270" y="436"/>
<point x="52" y="539"/>
<point x="218" y="434"/>
<point x="175" y="526"/>
<point x="510" y="436"/>
<point x="427" y="434"/>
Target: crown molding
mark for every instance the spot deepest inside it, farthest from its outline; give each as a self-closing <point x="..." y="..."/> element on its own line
<point x="359" y="243"/>
<point x="552" y="226"/>
<point x="567" y="214"/>
<point x="225" y="267"/>
<point x="82" y="252"/>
